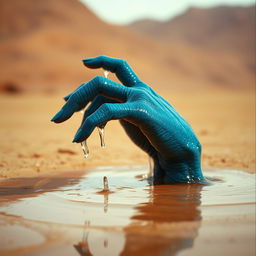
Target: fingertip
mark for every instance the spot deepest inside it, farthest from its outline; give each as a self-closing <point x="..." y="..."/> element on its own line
<point x="87" y="60"/>
<point x="63" y="115"/>
<point x="77" y="140"/>
<point x="95" y="62"/>
<point x="57" y="117"/>
<point x="84" y="61"/>
<point x="80" y="136"/>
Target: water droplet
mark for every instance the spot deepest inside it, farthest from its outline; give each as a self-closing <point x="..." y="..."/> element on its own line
<point x="85" y="149"/>
<point x="101" y="133"/>
<point x="105" y="184"/>
<point x="106" y="73"/>
<point x="101" y="129"/>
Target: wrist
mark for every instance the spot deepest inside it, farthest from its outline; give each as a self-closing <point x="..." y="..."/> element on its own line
<point x="178" y="170"/>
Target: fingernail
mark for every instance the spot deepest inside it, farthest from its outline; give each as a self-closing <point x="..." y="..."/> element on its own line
<point x="86" y="60"/>
<point x="77" y="136"/>
<point x="58" y="116"/>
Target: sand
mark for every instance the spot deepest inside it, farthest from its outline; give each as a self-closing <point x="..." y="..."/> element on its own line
<point x="57" y="207"/>
<point x="30" y="144"/>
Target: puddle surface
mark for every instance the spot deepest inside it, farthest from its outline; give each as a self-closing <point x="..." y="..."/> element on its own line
<point x="70" y="215"/>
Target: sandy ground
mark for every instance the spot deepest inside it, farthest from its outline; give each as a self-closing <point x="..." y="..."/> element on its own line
<point x="30" y="143"/>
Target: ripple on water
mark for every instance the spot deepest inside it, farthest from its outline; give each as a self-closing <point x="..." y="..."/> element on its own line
<point x="127" y="218"/>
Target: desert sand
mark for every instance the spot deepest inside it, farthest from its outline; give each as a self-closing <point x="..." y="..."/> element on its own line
<point x="223" y="121"/>
<point x="208" y="77"/>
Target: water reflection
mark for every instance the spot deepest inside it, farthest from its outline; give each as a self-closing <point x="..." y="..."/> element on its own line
<point x="133" y="218"/>
<point x="82" y="246"/>
<point x="105" y="202"/>
<point x="164" y="225"/>
<point x="170" y="221"/>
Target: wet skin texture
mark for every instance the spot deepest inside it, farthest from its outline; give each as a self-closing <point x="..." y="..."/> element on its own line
<point x="150" y="121"/>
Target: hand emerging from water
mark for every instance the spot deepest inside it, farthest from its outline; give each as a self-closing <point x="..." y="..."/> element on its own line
<point x="149" y="120"/>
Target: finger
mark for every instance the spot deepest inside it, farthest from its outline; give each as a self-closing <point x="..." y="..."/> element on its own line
<point x="118" y="66"/>
<point x="68" y="96"/>
<point x="81" y="97"/>
<point x="103" y="114"/>
<point x="96" y="103"/>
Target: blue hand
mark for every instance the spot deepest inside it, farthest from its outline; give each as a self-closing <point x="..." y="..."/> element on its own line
<point x="150" y="121"/>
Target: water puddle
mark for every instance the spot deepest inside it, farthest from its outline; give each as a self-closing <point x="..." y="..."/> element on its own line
<point x="74" y="214"/>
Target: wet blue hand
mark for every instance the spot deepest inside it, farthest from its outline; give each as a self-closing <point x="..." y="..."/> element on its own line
<point x="149" y="120"/>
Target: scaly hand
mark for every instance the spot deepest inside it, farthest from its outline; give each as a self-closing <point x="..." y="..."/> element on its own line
<point x="149" y="120"/>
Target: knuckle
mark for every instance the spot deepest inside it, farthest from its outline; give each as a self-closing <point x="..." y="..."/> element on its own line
<point x="106" y="109"/>
<point x="136" y="95"/>
<point x="123" y="63"/>
<point x="101" y="57"/>
<point x="143" y="93"/>
<point x="128" y="92"/>
<point x="199" y="147"/>
<point x="98" y="81"/>
<point x="193" y="149"/>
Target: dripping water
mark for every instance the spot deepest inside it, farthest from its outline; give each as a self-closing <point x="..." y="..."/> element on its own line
<point x="101" y="133"/>
<point x="85" y="149"/>
<point x="105" y="184"/>
<point x="100" y="130"/>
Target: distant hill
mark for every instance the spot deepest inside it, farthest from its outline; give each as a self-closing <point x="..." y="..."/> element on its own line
<point x="221" y="29"/>
<point x="19" y="17"/>
<point x="42" y="43"/>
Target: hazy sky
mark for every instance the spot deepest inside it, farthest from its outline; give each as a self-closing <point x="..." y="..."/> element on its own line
<point x="125" y="11"/>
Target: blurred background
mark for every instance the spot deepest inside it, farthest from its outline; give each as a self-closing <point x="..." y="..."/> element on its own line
<point x="184" y="45"/>
<point x="200" y="55"/>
